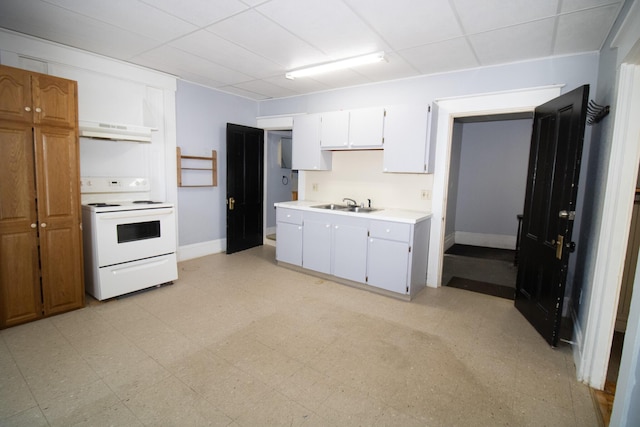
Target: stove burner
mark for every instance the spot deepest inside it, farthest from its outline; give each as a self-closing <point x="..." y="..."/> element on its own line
<point x="145" y="202"/>
<point x="102" y="204"/>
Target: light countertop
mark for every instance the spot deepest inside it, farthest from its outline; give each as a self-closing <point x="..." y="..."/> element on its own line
<point x="398" y="215"/>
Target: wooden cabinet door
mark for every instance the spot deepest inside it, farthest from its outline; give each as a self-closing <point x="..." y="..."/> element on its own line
<point x="20" y="299"/>
<point x="15" y="95"/>
<point x="57" y="183"/>
<point x="55" y="101"/>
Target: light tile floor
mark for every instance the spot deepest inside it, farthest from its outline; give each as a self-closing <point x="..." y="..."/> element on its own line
<point x="240" y="341"/>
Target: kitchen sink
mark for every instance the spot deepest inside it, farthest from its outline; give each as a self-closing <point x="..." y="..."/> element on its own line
<point x="345" y="208"/>
<point x="360" y="209"/>
<point x="332" y="206"/>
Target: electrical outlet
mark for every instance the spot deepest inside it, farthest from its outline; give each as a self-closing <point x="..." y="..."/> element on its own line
<point x="425" y="194"/>
<point x="314" y="186"/>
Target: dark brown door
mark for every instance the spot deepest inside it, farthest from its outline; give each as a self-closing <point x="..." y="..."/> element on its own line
<point x="549" y="209"/>
<point x="245" y="151"/>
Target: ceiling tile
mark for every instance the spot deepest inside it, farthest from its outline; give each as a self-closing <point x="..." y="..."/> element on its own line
<point x="272" y="41"/>
<point x="575" y="5"/>
<point x="199" y="12"/>
<point x="242" y="92"/>
<point x="266" y="89"/>
<point x="328" y="25"/>
<point x="130" y="15"/>
<point x="298" y="86"/>
<point x="216" y="49"/>
<point x="525" y="41"/>
<point x="54" y="23"/>
<point x="584" y="31"/>
<point x="409" y="23"/>
<point x="477" y="16"/>
<point x="443" y="56"/>
<point x="181" y="63"/>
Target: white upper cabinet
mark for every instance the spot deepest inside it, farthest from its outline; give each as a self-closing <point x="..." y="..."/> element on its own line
<point x="306" y="152"/>
<point x="354" y="129"/>
<point x="406" y="139"/>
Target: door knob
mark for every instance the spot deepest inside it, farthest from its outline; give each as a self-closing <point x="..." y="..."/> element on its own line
<point x="570" y="215"/>
<point x="232" y="203"/>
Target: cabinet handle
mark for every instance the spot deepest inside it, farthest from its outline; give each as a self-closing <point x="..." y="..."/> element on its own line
<point x="34" y="225"/>
<point x="27" y="109"/>
<point x="43" y="225"/>
<point x="38" y="110"/>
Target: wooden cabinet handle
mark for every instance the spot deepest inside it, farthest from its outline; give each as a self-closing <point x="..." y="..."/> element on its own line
<point x="38" y="110"/>
<point x="34" y="225"/>
<point x="27" y="109"/>
<point x="43" y="225"/>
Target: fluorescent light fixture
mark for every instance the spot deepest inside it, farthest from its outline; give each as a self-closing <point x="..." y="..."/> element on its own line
<point x="336" y="65"/>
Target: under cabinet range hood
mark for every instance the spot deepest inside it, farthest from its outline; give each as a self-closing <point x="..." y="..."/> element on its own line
<point x="116" y="132"/>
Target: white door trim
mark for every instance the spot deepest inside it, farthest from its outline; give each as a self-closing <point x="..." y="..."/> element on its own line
<point x="593" y="359"/>
<point x="517" y="101"/>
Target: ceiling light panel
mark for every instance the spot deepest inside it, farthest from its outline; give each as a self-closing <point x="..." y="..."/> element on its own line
<point x="328" y="25"/>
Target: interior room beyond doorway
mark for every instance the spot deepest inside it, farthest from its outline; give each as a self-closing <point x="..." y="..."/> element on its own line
<point x="486" y="187"/>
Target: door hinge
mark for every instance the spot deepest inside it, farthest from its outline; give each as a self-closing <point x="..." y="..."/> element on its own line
<point x="409" y="249"/>
<point x="407" y="289"/>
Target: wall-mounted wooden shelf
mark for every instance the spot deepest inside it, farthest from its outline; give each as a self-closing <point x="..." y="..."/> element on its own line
<point x="197" y="171"/>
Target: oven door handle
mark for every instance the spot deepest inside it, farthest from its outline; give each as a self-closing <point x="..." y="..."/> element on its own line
<point x="135" y="214"/>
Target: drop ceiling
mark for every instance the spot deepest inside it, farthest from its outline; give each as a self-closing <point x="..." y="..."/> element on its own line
<point x="244" y="47"/>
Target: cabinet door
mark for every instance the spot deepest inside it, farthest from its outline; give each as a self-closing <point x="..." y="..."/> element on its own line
<point x="316" y="246"/>
<point x="289" y="243"/>
<point x="350" y="252"/>
<point x="15" y="95"/>
<point x="365" y="127"/>
<point x="306" y="153"/>
<point x="334" y="131"/>
<point x="388" y="265"/>
<point x="406" y="139"/>
<point x="55" y="101"/>
<point x="19" y="273"/>
<point x="58" y="190"/>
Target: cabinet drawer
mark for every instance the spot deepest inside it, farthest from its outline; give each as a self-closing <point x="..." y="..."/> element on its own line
<point x="292" y="216"/>
<point x="390" y="230"/>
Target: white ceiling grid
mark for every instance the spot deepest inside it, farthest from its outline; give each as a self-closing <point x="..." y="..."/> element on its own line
<point x="245" y="47"/>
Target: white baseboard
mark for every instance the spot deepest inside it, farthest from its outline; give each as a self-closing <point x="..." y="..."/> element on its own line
<point x="500" y="241"/>
<point x="270" y="230"/>
<point x="449" y="240"/>
<point x="198" y="250"/>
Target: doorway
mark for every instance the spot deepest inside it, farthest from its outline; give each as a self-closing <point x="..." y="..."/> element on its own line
<point x="281" y="182"/>
<point x="486" y="188"/>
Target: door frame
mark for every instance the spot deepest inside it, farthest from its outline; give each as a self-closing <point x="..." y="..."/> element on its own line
<point x="267" y="124"/>
<point x="516" y="101"/>
<point x="592" y="360"/>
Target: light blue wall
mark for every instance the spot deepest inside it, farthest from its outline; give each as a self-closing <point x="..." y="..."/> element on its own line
<point x="202" y="116"/>
<point x="454" y="173"/>
<point x="493" y="176"/>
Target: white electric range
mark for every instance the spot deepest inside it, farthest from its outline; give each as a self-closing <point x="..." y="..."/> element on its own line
<point x="128" y="246"/>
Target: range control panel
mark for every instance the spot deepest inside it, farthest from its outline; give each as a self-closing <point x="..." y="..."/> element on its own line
<point x="104" y="184"/>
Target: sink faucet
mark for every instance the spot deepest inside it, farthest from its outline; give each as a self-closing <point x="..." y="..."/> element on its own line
<point x="350" y="202"/>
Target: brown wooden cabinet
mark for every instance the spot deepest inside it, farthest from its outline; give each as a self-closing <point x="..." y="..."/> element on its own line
<point x="40" y="214"/>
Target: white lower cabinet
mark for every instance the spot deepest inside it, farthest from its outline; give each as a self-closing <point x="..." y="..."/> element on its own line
<point x="289" y="236"/>
<point x="390" y="255"/>
<point x="316" y="245"/>
<point x="350" y="250"/>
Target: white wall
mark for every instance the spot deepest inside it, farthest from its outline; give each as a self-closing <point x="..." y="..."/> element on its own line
<point x="202" y="117"/>
<point x="452" y="190"/>
<point x="491" y="182"/>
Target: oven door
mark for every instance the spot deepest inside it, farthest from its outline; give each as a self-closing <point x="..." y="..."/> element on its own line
<point x="134" y="234"/>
